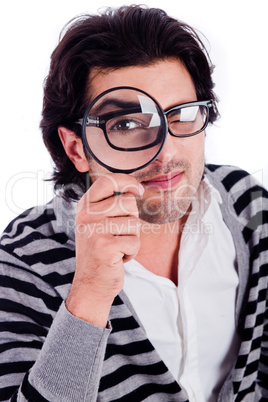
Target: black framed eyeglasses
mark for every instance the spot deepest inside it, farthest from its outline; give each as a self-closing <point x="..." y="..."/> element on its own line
<point x="124" y="128"/>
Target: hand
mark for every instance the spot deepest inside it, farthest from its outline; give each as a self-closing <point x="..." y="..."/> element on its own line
<point x="107" y="235"/>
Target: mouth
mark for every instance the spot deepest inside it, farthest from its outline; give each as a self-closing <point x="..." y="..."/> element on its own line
<point x="164" y="182"/>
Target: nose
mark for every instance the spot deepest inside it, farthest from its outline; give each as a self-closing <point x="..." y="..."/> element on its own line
<point x="170" y="149"/>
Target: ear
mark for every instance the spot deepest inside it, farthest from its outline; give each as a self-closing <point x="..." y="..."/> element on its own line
<point x="74" y="149"/>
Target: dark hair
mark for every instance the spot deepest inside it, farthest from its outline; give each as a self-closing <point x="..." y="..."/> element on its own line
<point x="127" y="36"/>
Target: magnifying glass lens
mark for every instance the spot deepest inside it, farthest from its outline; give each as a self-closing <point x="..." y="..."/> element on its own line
<point x="124" y="129"/>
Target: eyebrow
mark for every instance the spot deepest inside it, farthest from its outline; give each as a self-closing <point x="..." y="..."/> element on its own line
<point x="118" y="103"/>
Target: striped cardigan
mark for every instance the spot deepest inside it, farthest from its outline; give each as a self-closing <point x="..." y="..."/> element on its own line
<point x="81" y="362"/>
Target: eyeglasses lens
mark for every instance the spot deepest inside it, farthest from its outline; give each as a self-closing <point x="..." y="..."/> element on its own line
<point x="187" y="120"/>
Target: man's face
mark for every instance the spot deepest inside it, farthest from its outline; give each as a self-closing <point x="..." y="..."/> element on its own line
<point x="172" y="179"/>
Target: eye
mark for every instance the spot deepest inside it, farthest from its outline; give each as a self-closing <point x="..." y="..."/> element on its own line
<point x="124" y="125"/>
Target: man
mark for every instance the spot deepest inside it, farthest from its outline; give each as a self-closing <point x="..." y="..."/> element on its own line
<point x="145" y="277"/>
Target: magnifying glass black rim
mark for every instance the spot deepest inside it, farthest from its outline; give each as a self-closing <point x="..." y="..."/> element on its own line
<point x="84" y="137"/>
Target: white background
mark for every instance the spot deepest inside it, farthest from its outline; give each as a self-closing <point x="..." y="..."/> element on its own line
<point x="237" y="34"/>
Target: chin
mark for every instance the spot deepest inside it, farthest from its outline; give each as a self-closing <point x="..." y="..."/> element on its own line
<point x="162" y="212"/>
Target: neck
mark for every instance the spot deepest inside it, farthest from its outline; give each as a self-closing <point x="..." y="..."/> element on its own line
<point x="160" y="248"/>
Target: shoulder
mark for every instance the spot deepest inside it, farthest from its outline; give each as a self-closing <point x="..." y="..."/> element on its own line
<point x="34" y="242"/>
<point x="31" y="226"/>
<point x="36" y="217"/>
<point x="233" y="179"/>
<point x="244" y="198"/>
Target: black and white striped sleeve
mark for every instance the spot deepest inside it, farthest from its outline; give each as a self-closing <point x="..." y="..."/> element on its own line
<point x="46" y="354"/>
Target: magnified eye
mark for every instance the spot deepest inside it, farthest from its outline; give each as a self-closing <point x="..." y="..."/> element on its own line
<point x="132" y="131"/>
<point x="127" y="132"/>
<point x="124" y="125"/>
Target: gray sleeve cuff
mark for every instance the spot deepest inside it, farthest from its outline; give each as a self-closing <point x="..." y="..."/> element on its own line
<point x="69" y="365"/>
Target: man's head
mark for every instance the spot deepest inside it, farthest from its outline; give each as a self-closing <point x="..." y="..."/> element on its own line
<point x="94" y="46"/>
<point x="173" y="177"/>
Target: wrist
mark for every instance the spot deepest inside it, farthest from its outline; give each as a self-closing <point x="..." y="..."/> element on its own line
<point x="89" y="308"/>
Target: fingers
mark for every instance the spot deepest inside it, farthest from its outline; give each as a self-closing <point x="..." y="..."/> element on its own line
<point x="109" y="214"/>
<point x="100" y="199"/>
<point x="120" y="205"/>
<point x="110" y="226"/>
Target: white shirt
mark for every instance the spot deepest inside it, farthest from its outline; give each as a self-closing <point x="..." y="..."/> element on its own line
<point x="192" y="326"/>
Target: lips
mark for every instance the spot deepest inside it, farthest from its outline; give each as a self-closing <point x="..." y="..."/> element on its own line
<point x="164" y="182"/>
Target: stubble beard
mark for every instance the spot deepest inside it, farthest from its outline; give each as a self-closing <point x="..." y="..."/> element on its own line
<point x="164" y="206"/>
